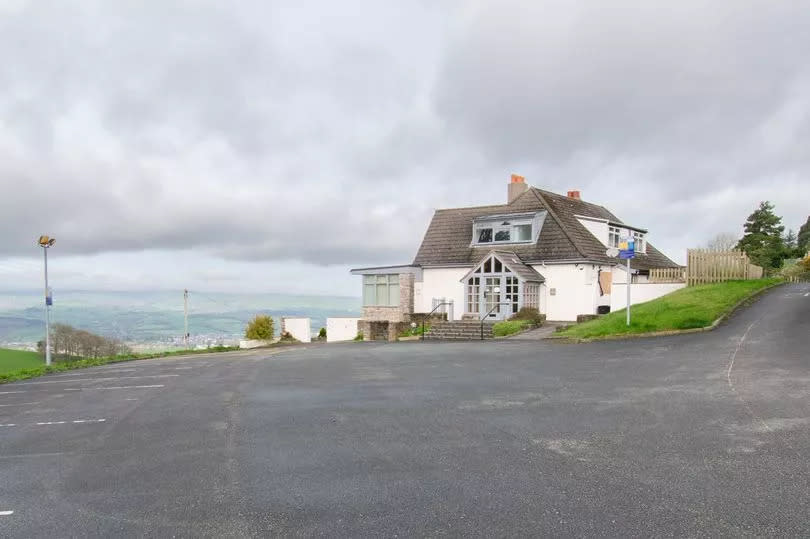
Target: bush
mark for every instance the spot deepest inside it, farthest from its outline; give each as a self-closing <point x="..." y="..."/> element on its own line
<point x="414" y="330"/>
<point x="322" y="333"/>
<point x="531" y="314"/>
<point x="287" y="337"/>
<point x="260" y="328"/>
<point x="508" y="327"/>
<point x="359" y="336"/>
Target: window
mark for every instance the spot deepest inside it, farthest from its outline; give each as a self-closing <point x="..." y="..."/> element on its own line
<point x="638" y="239"/>
<point x="380" y="290"/>
<point x="613" y="238"/>
<point x="531" y="295"/>
<point x="505" y="229"/>
<point x="473" y="290"/>
<point x="512" y="293"/>
<point x="523" y="232"/>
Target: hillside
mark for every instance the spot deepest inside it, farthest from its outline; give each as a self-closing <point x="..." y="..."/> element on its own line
<point x="13" y="360"/>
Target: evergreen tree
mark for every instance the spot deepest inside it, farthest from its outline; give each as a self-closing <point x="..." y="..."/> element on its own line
<point x="763" y="240"/>
<point x="791" y="245"/>
<point x="803" y="239"/>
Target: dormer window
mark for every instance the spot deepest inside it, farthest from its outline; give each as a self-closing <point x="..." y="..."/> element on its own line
<point x="519" y="228"/>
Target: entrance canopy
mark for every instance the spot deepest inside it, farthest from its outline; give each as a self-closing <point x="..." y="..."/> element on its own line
<point x="505" y="262"/>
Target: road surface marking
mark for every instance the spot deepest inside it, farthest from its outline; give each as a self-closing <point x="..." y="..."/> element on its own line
<point x="51" y="423"/>
<point x="105" y="371"/>
<point x="111" y="387"/>
<point x="19" y="404"/>
<point x="8" y="425"/>
<point x="10" y="392"/>
<point x="6" y="513"/>
<point x="808" y="294"/>
<point x="97" y="379"/>
<point x="88" y="421"/>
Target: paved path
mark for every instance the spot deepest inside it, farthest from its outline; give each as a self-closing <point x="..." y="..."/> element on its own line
<point x="691" y="435"/>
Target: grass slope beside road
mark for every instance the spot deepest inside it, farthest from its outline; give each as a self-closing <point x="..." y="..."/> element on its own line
<point x="39" y="368"/>
<point x="687" y="308"/>
<point x="15" y="360"/>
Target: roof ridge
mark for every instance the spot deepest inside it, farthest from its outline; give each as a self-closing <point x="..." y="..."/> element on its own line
<point x="538" y="193"/>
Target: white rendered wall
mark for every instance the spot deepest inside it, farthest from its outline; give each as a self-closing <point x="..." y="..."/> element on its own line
<point x="639" y="293"/>
<point x="341" y="329"/>
<point x="441" y="283"/>
<point x="300" y="328"/>
<point x="597" y="228"/>
<point x="575" y="290"/>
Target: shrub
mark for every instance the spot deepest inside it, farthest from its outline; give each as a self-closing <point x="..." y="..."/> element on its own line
<point x="508" y="327"/>
<point x="260" y="328"/>
<point x="359" y="336"/>
<point x="322" y="333"/>
<point x="286" y="336"/>
<point x="531" y="314"/>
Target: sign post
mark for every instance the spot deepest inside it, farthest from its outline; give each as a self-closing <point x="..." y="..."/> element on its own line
<point x="627" y="250"/>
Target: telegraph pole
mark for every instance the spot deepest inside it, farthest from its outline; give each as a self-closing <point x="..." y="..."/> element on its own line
<point x="185" y="318"/>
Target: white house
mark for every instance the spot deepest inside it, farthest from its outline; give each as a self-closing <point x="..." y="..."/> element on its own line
<point x="540" y="249"/>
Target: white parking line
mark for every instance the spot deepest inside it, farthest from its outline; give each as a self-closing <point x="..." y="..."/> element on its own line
<point x="96" y="379"/>
<point x="18" y="404"/>
<point x="111" y="387"/>
<point x="8" y="425"/>
<point x="6" y="513"/>
<point x="10" y="392"/>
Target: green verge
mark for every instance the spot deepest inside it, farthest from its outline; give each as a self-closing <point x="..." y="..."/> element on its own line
<point x="509" y="327"/>
<point x="40" y="369"/>
<point x="687" y="308"/>
<point x="15" y="360"/>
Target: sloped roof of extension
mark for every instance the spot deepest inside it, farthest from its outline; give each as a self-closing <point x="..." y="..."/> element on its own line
<point x="515" y="265"/>
<point x="562" y="237"/>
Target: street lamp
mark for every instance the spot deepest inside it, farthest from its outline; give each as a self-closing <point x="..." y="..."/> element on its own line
<point x="45" y="242"/>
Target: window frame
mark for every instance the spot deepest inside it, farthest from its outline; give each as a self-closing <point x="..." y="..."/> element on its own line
<point x="375" y="284"/>
<point x="508" y="226"/>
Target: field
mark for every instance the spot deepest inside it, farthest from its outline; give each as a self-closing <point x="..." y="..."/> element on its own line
<point x="14" y="360"/>
<point x="688" y="308"/>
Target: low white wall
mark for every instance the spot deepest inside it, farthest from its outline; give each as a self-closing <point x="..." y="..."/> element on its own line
<point x="252" y="343"/>
<point x="341" y="329"/>
<point x="440" y="283"/>
<point x="574" y="287"/>
<point x="639" y="293"/>
<point x="300" y="328"/>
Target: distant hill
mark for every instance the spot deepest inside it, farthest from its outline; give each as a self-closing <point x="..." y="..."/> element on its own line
<point x="158" y="316"/>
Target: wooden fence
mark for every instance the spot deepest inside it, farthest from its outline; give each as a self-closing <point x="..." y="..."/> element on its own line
<point x="706" y="266"/>
<point x="668" y="275"/>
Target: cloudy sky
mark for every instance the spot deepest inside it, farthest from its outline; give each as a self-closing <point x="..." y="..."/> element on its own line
<point x="270" y="146"/>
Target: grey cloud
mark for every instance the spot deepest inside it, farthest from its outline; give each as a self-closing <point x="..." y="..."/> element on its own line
<point x="326" y="132"/>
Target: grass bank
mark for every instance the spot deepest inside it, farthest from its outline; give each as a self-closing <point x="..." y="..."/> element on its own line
<point x="687" y="308"/>
<point x="15" y="360"/>
<point x="26" y="368"/>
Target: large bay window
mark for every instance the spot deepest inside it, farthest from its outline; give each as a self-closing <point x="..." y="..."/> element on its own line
<point x="380" y="290"/>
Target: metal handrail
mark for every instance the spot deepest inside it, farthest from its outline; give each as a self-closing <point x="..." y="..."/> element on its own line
<point x="489" y="313"/>
<point x="428" y="316"/>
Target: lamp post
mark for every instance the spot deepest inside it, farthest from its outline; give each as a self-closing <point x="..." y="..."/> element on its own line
<point x="45" y="242"/>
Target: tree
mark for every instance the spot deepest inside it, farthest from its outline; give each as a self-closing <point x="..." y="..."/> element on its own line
<point x="803" y="239"/>
<point x="260" y="328"/>
<point x="763" y="237"/>
<point x="725" y="241"/>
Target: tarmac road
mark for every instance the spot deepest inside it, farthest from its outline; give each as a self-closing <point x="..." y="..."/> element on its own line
<point x="694" y="435"/>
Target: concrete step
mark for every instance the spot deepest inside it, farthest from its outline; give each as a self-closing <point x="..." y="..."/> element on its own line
<point x="460" y="330"/>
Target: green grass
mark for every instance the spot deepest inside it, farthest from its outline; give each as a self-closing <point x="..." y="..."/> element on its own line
<point x="509" y="327"/>
<point x="15" y="360"/>
<point x="22" y="371"/>
<point x="687" y="308"/>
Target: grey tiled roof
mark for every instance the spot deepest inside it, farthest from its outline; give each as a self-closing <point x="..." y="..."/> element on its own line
<point x="563" y="237"/>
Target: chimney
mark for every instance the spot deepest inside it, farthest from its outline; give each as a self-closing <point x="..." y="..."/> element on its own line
<point x="574" y="195"/>
<point x="517" y="187"/>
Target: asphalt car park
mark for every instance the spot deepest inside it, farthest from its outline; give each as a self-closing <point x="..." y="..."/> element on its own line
<point x="702" y="434"/>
